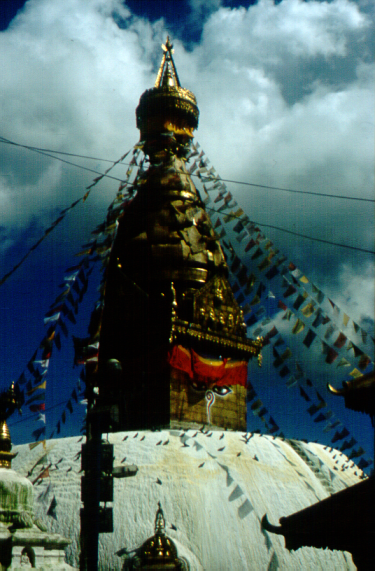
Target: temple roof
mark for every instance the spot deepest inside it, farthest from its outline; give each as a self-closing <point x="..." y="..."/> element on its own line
<point x="344" y="521"/>
<point x="359" y="393"/>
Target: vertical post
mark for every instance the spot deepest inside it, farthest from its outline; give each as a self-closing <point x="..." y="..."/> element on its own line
<point x="91" y="460"/>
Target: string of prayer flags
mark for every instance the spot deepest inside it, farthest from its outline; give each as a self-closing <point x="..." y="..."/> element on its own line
<point x="340" y="435"/>
<point x="332" y="425"/>
<point x="39" y="432"/>
<point x="363" y="464"/>
<point x="314" y="320"/>
<point x="304" y="394"/>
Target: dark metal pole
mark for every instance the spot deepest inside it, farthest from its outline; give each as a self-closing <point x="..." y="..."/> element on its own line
<point x="91" y="463"/>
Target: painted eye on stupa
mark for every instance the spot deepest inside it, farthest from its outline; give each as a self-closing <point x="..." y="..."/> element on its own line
<point x="199" y="387"/>
<point x="221" y="391"/>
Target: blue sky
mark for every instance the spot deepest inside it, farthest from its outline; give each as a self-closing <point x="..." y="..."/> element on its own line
<point x="286" y="98"/>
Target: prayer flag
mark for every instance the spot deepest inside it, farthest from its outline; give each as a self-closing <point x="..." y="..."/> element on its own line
<point x="299" y="301"/>
<point x="284" y="371"/>
<point x="257" y="253"/>
<point x="331" y="426"/>
<point x="52" y="508"/>
<point x="304" y="394"/>
<point x="357" y="453"/>
<point x="352" y="442"/>
<point x="37" y="407"/>
<point x="263" y="265"/>
<point x="250" y="245"/>
<point x="340" y="341"/>
<point x="355" y="374"/>
<point x="362" y="464"/>
<point x="364" y="361"/>
<point x="257" y="405"/>
<point x="38" y="432"/>
<point x="41" y="386"/>
<point x="331" y="356"/>
<point x="41" y="396"/>
<point x="309" y="338"/>
<point x="298" y="327"/>
<point x="313" y="409"/>
<point x="272" y="273"/>
<point x="290" y="291"/>
<point x="340" y="435"/>
<point x="308" y="310"/>
<point x="343" y="363"/>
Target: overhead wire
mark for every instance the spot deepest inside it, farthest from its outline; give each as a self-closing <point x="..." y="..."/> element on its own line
<point x="231" y="181"/>
<point x="34" y="416"/>
<point x="46" y="152"/>
<point x="296" y="233"/>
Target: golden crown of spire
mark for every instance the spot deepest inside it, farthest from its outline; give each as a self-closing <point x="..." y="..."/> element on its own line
<point x="167" y="106"/>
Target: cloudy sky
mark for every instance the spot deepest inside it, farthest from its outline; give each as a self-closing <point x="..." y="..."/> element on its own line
<point x="285" y="93"/>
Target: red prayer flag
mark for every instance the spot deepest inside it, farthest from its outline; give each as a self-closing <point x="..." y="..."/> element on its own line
<point x="340" y="341"/>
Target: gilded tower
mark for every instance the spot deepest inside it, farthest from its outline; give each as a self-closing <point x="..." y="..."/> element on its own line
<point x="173" y="345"/>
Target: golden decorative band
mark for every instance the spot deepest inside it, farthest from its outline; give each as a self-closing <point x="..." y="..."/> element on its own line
<point x="183" y="274"/>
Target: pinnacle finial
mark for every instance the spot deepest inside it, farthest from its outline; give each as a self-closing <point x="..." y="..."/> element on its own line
<point x="160" y="521"/>
<point x="9" y="401"/>
<point x="167" y="74"/>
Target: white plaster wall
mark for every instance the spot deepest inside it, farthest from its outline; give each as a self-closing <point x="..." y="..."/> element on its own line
<point x="214" y="488"/>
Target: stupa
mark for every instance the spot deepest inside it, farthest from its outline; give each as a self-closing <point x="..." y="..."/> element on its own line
<point x="169" y="390"/>
<point x="24" y="540"/>
<point x="170" y="318"/>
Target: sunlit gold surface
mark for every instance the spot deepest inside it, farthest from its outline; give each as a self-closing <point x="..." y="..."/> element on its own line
<point x="6" y="455"/>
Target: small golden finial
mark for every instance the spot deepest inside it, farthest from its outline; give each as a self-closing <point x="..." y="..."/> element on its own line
<point x="167" y="74"/>
<point x="9" y="401"/>
<point x="159" y="521"/>
<point x="168" y="47"/>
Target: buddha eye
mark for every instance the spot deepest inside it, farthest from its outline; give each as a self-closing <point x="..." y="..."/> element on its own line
<point x="222" y="391"/>
<point x="199" y="387"/>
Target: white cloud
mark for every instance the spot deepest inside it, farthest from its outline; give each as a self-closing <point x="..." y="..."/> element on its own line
<point x="285" y="93"/>
<point x="354" y="292"/>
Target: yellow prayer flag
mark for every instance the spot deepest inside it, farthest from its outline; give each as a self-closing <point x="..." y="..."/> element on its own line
<point x="41" y="386"/>
<point x="33" y="445"/>
<point x="355" y="373"/>
<point x="343" y="363"/>
<point x="287" y="353"/>
<point x="308" y="310"/>
<point x="263" y="265"/>
<point x="298" y="327"/>
<point x="84" y="252"/>
<point x="345" y="320"/>
<point x="304" y="280"/>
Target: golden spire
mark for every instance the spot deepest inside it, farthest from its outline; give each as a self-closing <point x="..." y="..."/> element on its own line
<point x="167" y="106"/>
<point x="167" y="74"/>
